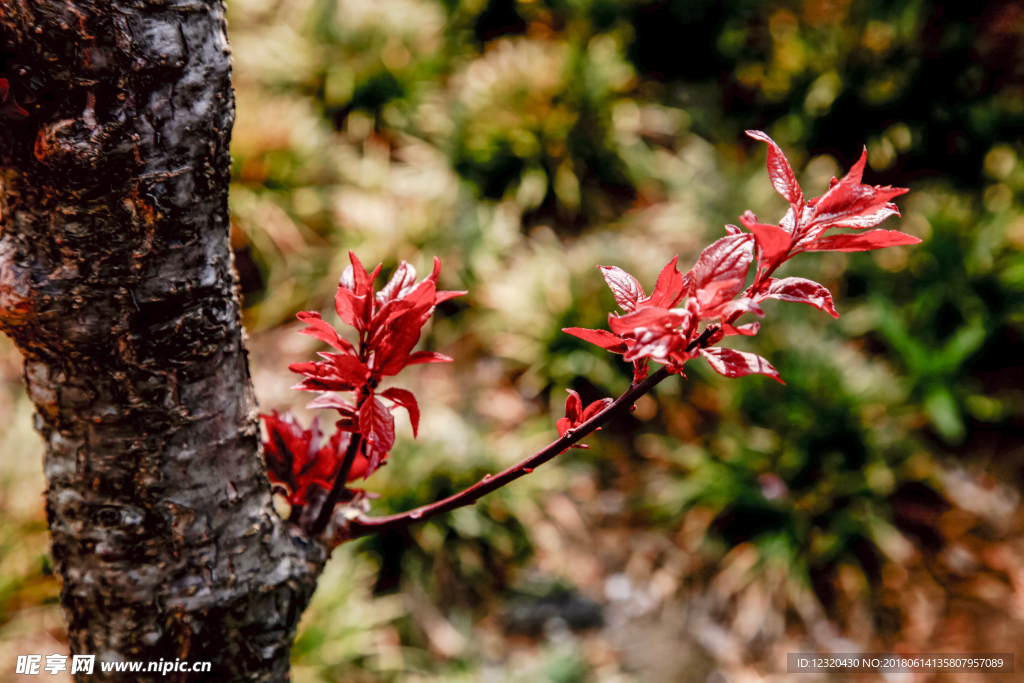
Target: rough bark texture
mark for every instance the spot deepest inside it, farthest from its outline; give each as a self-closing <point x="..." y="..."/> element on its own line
<point x="117" y="285"/>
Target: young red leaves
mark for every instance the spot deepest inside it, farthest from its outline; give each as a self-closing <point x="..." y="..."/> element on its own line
<point x="389" y="323"/>
<point x="664" y="329"/>
<point x="652" y="329"/>
<point x="576" y="414"/>
<point x="297" y="463"/>
<point x="848" y="203"/>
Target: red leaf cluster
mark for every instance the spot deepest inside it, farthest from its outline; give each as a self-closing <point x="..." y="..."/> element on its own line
<point x="296" y="462"/>
<point x="665" y="328"/>
<point x="576" y="414"/>
<point x="389" y="323"/>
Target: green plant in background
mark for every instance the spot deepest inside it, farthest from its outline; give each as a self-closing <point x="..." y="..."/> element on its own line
<point x="524" y="141"/>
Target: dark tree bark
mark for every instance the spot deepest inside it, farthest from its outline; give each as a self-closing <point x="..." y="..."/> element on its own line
<point x="116" y="283"/>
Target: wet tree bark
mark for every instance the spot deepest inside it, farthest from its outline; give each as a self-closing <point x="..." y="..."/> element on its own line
<point x="116" y="283"/>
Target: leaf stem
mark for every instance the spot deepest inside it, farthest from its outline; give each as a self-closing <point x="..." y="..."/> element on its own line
<point x="364" y="526"/>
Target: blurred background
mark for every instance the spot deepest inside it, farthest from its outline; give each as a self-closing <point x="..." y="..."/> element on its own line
<point x="871" y="504"/>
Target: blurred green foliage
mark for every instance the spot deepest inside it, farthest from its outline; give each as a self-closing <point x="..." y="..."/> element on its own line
<point x="527" y="141"/>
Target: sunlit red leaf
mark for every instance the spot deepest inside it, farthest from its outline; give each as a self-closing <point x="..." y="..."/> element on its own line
<point x="350" y="307"/>
<point x="603" y="338"/>
<point x="396" y="346"/>
<point x="377" y="425"/>
<point x="319" y="329"/>
<point x="445" y="295"/>
<point x="732" y="363"/>
<point x="595" y="408"/>
<point x="334" y="402"/>
<point x="773" y="241"/>
<point x="714" y="296"/>
<point x="575" y="414"/>
<point x="737" y="307"/>
<point x="746" y="330"/>
<point x="405" y="399"/>
<point x="850" y="204"/>
<point x="646" y="318"/>
<point x="421" y="357"/>
<point x="658" y="343"/>
<point x="670" y="288"/>
<point x="401" y="283"/>
<point x="574" y="407"/>
<point x="865" y="241"/>
<point x="802" y="291"/>
<point x="625" y="287"/>
<point x="725" y="259"/>
<point x="779" y="171"/>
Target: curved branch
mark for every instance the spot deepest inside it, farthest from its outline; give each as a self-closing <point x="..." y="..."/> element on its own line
<point x="363" y="526"/>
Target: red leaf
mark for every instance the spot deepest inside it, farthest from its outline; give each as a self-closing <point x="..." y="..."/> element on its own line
<point x="396" y="346"/>
<point x="603" y="338"/>
<point x="444" y="296"/>
<point x="731" y="363"/>
<point x="624" y="286"/>
<point x="351" y="308"/>
<point x="866" y="241"/>
<point x="734" y="309"/>
<point x="746" y="330"/>
<point x="780" y="172"/>
<point x="387" y="313"/>
<point x="773" y="241"/>
<point x="657" y="343"/>
<point x="595" y="408"/>
<point x="348" y="368"/>
<point x="574" y="407"/>
<point x="646" y="318"/>
<point x="850" y="204"/>
<point x="421" y="357"/>
<point x="341" y="373"/>
<point x="377" y="425"/>
<point x="405" y="399"/>
<point x="670" y="288"/>
<point x="725" y="259"/>
<point x="575" y="414"/>
<point x="319" y="329"/>
<point x="714" y="296"/>
<point x="334" y="402"/>
<point x="802" y="291"/>
<point x="400" y="284"/>
<point x="435" y="272"/>
<point x="360" y="278"/>
<point x="295" y="459"/>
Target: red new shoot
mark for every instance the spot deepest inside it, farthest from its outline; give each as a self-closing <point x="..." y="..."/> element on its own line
<point x="388" y="323"/>
<point x="684" y="317"/>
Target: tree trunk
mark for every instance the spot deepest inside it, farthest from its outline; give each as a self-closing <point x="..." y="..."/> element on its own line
<point x="116" y="282"/>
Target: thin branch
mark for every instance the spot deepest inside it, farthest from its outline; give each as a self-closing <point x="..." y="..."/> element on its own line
<point x="363" y="526"/>
<point x="327" y="510"/>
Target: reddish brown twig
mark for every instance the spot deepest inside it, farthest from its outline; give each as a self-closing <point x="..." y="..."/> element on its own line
<point x="363" y="525"/>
